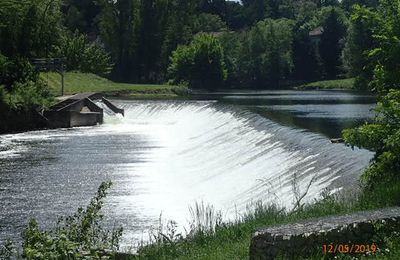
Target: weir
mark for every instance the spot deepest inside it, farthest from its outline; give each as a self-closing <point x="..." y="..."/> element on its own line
<point x="79" y="110"/>
<point x="167" y="156"/>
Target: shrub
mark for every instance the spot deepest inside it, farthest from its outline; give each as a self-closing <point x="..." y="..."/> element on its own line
<point x="76" y="237"/>
<point x="16" y="70"/>
<point x="28" y="95"/>
<point x="201" y="64"/>
<point x="382" y="137"/>
<point x="83" y="56"/>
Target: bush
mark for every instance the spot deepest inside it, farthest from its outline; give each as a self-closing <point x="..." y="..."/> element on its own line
<point x="382" y="137"/>
<point x="29" y="95"/>
<point x="16" y="70"/>
<point x="200" y="64"/>
<point x="208" y="23"/>
<point x="76" y="237"/>
<point x="83" y="56"/>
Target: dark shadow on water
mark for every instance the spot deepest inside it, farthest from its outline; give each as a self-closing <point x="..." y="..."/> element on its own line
<point x="325" y="112"/>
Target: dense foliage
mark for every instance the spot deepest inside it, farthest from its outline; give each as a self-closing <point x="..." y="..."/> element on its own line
<point x="20" y="87"/>
<point x="266" y="43"/>
<point x="360" y="41"/>
<point x="201" y="64"/>
<point x="377" y="33"/>
<point x="382" y="137"/>
<point x="80" y="54"/>
<point x="29" y="28"/>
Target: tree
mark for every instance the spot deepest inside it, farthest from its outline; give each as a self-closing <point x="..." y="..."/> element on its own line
<point x="29" y="28"/>
<point x="307" y="65"/>
<point x="200" y="64"/>
<point x="348" y="4"/>
<point x="382" y="137"/>
<point x="81" y="15"/>
<point x="331" y="44"/>
<point x="254" y="10"/>
<point x="235" y="15"/>
<point x="117" y="29"/>
<point x="81" y="55"/>
<point x="387" y="52"/>
<point x="15" y="70"/>
<point x="208" y="23"/>
<point x="267" y="53"/>
<point x="150" y="28"/>
<point x="215" y="7"/>
<point x="360" y="41"/>
<point x="232" y="43"/>
<point x="179" y="27"/>
<point x="304" y="11"/>
<point x="322" y="3"/>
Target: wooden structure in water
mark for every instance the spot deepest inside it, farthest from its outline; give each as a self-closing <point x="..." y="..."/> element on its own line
<point x="78" y="110"/>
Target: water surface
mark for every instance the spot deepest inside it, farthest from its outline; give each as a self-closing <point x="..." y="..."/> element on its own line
<point x="327" y="112"/>
<point x="165" y="156"/>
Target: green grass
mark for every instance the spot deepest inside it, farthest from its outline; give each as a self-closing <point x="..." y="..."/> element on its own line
<point x="330" y="84"/>
<point x="76" y="82"/>
<point x="232" y="241"/>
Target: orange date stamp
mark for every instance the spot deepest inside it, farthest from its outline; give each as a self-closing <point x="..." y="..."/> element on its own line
<point x="349" y="249"/>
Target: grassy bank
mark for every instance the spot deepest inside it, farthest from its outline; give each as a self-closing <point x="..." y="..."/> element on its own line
<point x="83" y="82"/>
<point x="232" y="241"/>
<point x="329" y="84"/>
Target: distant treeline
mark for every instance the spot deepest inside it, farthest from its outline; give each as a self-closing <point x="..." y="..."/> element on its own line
<point x="204" y="43"/>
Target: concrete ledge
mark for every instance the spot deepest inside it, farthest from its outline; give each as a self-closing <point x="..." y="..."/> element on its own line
<point x="113" y="107"/>
<point x="67" y="119"/>
<point x="303" y="237"/>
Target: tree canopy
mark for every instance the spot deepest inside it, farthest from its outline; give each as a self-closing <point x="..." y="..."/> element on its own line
<point x="200" y="64"/>
<point x="266" y="43"/>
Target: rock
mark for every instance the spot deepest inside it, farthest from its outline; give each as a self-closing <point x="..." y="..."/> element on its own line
<point x="302" y="238"/>
<point x="337" y="140"/>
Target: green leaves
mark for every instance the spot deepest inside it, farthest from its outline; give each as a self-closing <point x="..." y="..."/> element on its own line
<point x="29" y="95"/>
<point x="29" y="28"/>
<point x="200" y="64"/>
<point x="81" y="55"/>
<point x="386" y="53"/>
<point x="208" y="23"/>
<point x="383" y="58"/>
<point x="268" y="52"/>
<point x="76" y="237"/>
<point x="22" y="88"/>
<point x="382" y="137"/>
<point x="369" y="136"/>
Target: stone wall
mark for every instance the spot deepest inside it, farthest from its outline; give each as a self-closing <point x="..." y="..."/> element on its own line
<point x="303" y="238"/>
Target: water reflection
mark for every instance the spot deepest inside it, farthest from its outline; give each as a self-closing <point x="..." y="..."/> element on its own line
<point x="326" y="112"/>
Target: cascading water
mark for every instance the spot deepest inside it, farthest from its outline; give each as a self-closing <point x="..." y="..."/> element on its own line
<point x="164" y="157"/>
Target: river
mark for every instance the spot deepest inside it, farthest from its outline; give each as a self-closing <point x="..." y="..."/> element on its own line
<point x="229" y="150"/>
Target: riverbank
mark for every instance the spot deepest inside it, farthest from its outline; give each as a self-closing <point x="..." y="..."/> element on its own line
<point x="232" y="240"/>
<point x="76" y="82"/>
<point x="342" y="84"/>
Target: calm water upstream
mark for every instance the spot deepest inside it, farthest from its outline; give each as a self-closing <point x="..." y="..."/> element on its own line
<point x="165" y="156"/>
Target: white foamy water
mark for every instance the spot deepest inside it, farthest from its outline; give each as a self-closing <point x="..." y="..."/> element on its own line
<point x="164" y="157"/>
